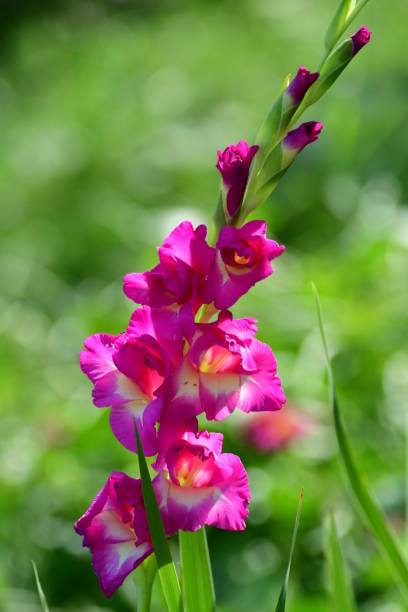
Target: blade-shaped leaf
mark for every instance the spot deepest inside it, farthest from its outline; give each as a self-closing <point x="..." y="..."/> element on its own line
<point x="282" y="596"/>
<point x="338" y="23"/>
<point x="342" y="598"/>
<point x="367" y="504"/>
<point x="165" y="565"/>
<point x="41" y="595"/>
<point x="197" y="580"/>
<point x="355" y="12"/>
<point x="144" y="580"/>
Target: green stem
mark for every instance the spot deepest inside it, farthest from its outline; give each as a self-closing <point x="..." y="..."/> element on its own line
<point x="197" y="579"/>
<point x="148" y="574"/>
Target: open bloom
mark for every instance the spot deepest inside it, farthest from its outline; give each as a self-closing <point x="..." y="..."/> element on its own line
<point x="115" y="530"/>
<point x="297" y="88"/>
<point x="174" y="286"/>
<point x="360" y="39"/>
<point x="224" y="369"/>
<point x="243" y="258"/>
<point x="234" y="164"/>
<point x="127" y="372"/>
<point x="205" y="486"/>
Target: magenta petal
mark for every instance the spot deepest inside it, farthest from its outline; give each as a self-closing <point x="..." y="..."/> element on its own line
<point x="234" y="164"/>
<point x="182" y="386"/>
<point x="96" y="361"/>
<point x="122" y="421"/>
<point x="109" y="529"/>
<point x="222" y="502"/>
<point x="360" y="39"/>
<point x="243" y="259"/>
<point x="232" y="495"/>
<point x="182" y="508"/>
<point x="262" y="389"/>
<point x="219" y="394"/>
<point x="299" y="85"/>
<point x="300" y="137"/>
<point x="185" y="259"/>
<point x="175" y="424"/>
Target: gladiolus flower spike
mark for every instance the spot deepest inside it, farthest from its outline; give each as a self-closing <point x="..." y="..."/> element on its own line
<point x="162" y="372"/>
<point x="183" y="354"/>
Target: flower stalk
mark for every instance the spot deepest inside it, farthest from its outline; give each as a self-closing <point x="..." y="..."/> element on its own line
<point x="183" y="355"/>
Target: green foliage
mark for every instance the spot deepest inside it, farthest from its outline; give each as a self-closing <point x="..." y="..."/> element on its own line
<point x="358" y="483"/>
<point x="165" y="565"/>
<point x="281" y="605"/>
<point x="342" y="598"/>
<point x="338" y="23"/>
<point x="41" y="594"/>
<point x="110" y="115"/>
<point x="197" y="580"/>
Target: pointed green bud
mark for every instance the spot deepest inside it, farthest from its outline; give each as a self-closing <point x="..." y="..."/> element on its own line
<point x="338" y="23"/>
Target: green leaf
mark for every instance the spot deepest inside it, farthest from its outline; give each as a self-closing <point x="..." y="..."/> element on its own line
<point x="342" y="597"/>
<point x="355" y="12"/>
<point x="366" y="502"/>
<point x="41" y="595"/>
<point x="338" y="23"/>
<point x="144" y="580"/>
<point x="282" y="596"/>
<point x="165" y="565"/>
<point x="197" y="580"/>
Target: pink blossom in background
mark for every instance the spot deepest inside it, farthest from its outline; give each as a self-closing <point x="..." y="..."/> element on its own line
<point x="269" y="432"/>
<point x="243" y="259"/>
<point x="205" y="486"/>
<point x="234" y="164"/>
<point x="360" y="39"/>
<point x="115" y="530"/>
<point x="225" y="368"/>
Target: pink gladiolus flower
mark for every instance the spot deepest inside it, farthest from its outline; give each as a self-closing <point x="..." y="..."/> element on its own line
<point x="206" y="486"/>
<point x="270" y="432"/>
<point x="243" y="259"/>
<point x="234" y="163"/>
<point x="298" y="139"/>
<point x="115" y="530"/>
<point x="174" y="286"/>
<point x="225" y="368"/>
<point x="127" y="372"/>
<point x="299" y="85"/>
<point x="360" y="39"/>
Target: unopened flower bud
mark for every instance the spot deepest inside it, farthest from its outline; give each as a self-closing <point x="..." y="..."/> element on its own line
<point x="234" y="163"/>
<point x="360" y="39"/>
<point x="299" y="85"/>
<point x="337" y="62"/>
<point x="282" y="111"/>
<point x="298" y="139"/>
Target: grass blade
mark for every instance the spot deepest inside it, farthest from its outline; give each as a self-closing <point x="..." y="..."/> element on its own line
<point x="41" y="595"/>
<point x="165" y="565"/>
<point x="340" y="586"/>
<point x="368" y="506"/>
<point x="197" y="580"/>
<point x="282" y="596"/>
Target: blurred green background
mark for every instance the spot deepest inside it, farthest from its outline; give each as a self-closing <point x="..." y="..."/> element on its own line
<point x="110" y="117"/>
